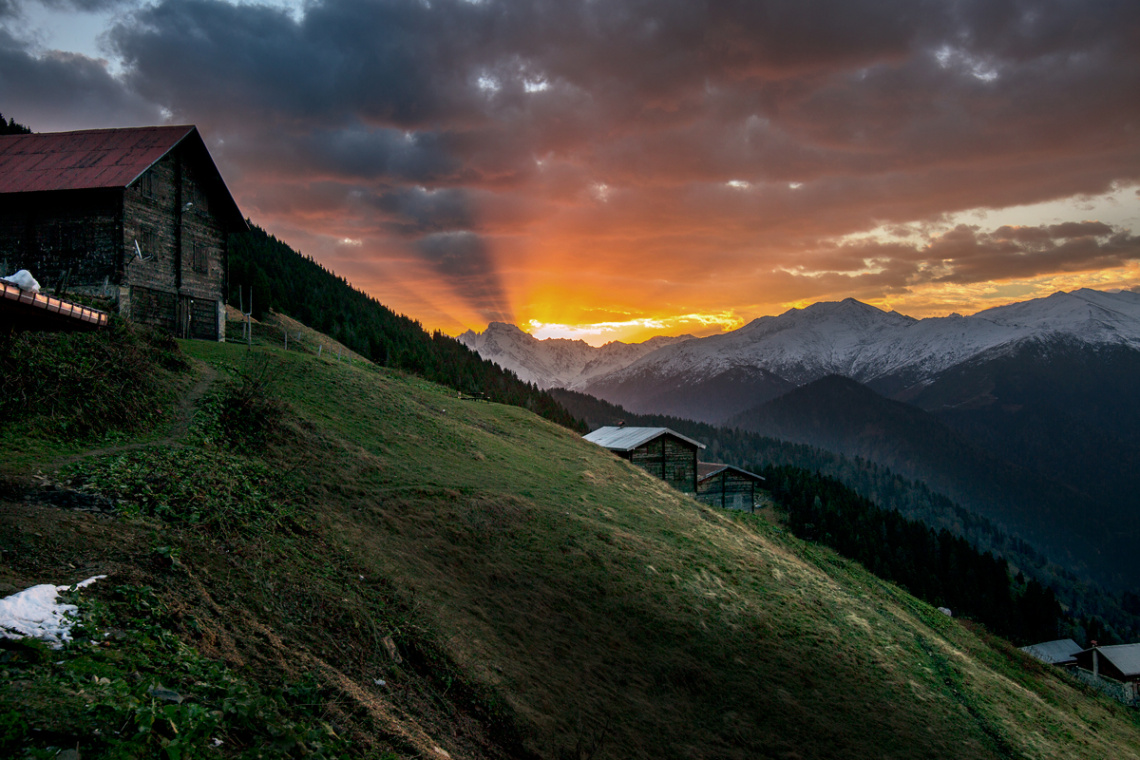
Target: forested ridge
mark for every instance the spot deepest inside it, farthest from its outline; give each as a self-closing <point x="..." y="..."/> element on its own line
<point x="290" y="283"/>
<point x="936" y="566"/>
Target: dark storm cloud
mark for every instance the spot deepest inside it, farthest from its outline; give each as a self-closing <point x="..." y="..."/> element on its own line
<point x="970" y="255"/>
<point x="18" y="8"/>
<point x="358" y="151"/>
<point x="624" y="121"/>
<point x="464" y="260"/>
<point x="60" y="90"/>
<point x="415" y="212"/>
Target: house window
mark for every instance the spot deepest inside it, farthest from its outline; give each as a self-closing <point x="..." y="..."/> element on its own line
<point x="147" y="242"/>
<point x="196" y="194"/>
<point x="199" y="258"/>
<point x="148" y="186"/>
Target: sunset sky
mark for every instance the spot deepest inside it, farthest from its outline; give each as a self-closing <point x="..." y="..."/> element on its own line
<point x="614" y="169"/>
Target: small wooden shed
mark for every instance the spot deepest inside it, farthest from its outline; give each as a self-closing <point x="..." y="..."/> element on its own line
<point x="139" y="216"/>
<point x="659" y="451"/>
<point x="727" y="487"/>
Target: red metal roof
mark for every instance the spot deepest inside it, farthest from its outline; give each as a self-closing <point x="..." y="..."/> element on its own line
<point x="95" y="158"/>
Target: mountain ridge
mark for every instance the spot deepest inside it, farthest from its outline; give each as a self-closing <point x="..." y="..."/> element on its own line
<point x="556" y="362"/>
<point x="887" y="350"/>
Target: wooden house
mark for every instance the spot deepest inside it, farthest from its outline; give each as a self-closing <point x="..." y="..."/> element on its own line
<point x="1114" y="670"/>
<point x="1120" y="662"/>
<point x="139" y="216"/>
<point x="659" y="451"/>
<point x="727" y="487"/>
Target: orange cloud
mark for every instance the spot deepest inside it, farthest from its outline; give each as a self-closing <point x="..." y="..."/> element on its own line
<point x="591" y="164"/>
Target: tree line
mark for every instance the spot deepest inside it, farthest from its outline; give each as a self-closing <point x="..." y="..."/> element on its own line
<point x="936" y="566"/>
<point x="287" y="282"/>
<point x="11" y="127"/>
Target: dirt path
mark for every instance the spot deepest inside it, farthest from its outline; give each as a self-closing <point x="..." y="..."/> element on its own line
<point x="175" y="434"/>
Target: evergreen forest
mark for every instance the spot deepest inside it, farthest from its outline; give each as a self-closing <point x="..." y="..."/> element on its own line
<point x="936" y="566"/>
<point x="11" y="127"/>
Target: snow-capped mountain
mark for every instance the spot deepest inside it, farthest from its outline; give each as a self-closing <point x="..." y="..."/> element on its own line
<point x="711" y="378"/>
<point x="556" y="362"/>
<point x="886" y="350"/>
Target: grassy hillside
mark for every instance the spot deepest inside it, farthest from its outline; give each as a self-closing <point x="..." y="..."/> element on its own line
<point x="1095" y="612"/>
<point x="338" y="560"/>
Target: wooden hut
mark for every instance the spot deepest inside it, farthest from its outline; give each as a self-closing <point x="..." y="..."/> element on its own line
<point x="727" y="487"/>
<point x="1120" y="662"/>
<point x="1114" y="670"/>
<point x="1060" y="652"/>
<point x="659" y="451"/>
<point x="139" y="216"/>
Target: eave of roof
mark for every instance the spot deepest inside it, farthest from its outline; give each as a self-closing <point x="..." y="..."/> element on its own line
<point x="706" y="470"/>
<point x="629" y="438"/>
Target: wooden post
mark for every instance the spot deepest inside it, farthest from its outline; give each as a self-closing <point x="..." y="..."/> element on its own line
<point x="248" y="316"/>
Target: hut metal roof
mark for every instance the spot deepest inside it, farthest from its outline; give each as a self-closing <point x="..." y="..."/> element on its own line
<point x="1053" y="652"/>
<point x="93" y="158"/>
<point x="629" y="438"/>
<point x="1124" y="657"/>
<point x="706" y="470"/>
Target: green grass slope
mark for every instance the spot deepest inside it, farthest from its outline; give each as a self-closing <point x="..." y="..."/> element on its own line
<point x="391" y="571"/>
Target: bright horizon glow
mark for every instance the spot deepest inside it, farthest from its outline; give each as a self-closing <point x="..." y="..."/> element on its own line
<point x="636" y="330"/>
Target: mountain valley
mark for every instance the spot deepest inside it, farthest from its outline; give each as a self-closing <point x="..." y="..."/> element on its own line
<point x="1026" y="414"/>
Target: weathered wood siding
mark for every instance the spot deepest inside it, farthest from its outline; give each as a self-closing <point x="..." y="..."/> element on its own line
<point x="729" y="490"/>
<point x="69" y="238"/>
<point x="183" y="246"/>
<point x="670" y="459"/>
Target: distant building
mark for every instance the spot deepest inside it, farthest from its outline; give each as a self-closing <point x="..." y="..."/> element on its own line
<point x="140" y="216"/>
<point x="659" y="451"/>
<point x="1114" y="670"/>
<point x="728" y="487"/>
<point x="1061" y="652"/>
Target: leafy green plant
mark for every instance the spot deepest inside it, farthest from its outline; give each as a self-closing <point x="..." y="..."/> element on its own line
<point x="245" y="413"/>
<point x="86" y="385"/>
<point x="127" y="687"/>
<point x="210" y="488"/>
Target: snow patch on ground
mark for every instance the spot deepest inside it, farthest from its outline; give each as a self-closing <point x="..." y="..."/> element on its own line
<point x="37" y="612"/>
